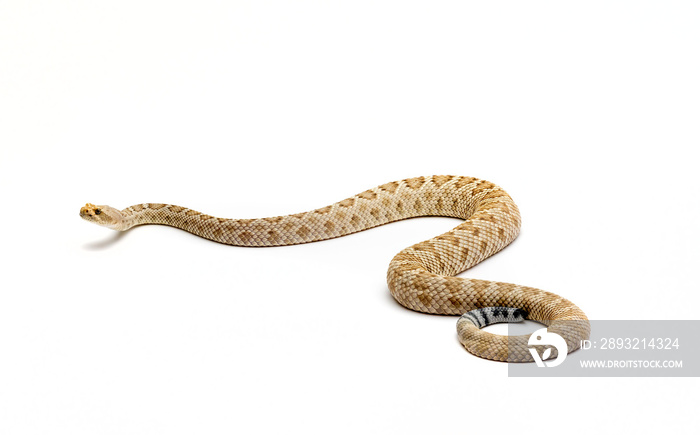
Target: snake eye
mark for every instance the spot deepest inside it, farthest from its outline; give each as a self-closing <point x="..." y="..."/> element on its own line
<point x="98" y="211"/>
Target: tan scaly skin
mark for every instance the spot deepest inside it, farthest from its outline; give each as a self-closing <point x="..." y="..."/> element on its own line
<point x="422" y="276"/>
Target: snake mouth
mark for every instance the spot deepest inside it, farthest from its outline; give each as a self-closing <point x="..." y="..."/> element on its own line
<point x="87" y="217"/>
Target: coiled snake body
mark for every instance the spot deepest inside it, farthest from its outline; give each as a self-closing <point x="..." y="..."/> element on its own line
<point x="420" y="277"/>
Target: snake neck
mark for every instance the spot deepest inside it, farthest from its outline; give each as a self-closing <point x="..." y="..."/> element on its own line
<point x="164" y="214"/>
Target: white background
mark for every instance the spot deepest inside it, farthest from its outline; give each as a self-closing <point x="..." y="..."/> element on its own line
<point x="585" y="112"/>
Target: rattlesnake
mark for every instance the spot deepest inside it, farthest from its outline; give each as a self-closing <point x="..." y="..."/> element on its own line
<point x="421" y="277"/>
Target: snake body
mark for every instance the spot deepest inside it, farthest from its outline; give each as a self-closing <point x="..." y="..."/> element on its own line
<point x="420" y="277"/>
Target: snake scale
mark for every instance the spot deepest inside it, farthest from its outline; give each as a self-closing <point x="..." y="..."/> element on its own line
<point x="420" y="277"/>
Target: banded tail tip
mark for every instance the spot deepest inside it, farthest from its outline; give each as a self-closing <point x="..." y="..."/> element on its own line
<point x="491" y="315"/>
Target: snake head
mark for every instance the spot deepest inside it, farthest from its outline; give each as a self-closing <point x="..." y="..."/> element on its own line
<point x="102" y="215"/>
